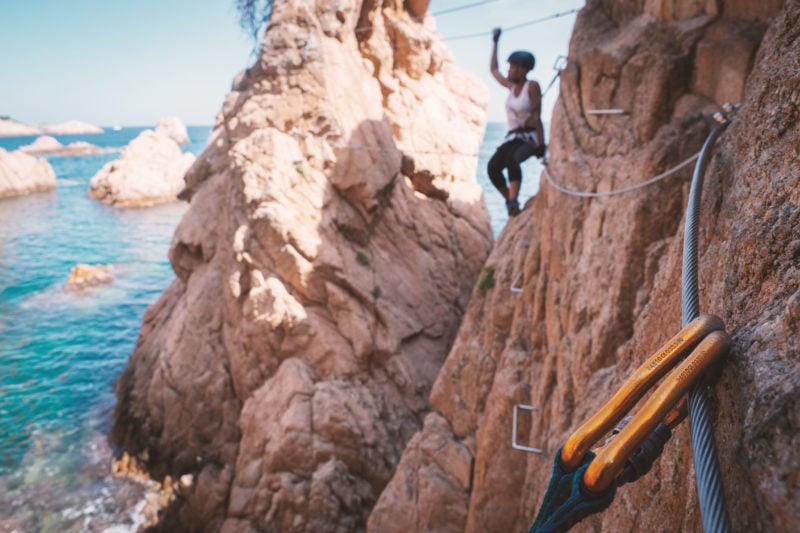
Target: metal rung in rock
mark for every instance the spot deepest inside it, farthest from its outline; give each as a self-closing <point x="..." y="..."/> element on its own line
<point x="514" y="443"/>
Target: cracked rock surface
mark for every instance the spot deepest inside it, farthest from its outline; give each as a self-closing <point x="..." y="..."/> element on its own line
<point x="334" y="235"/>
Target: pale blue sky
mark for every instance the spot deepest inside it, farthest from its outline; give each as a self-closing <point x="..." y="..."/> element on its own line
<point x="114" y="62"/>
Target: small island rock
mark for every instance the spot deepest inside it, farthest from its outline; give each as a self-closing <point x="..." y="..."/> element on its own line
<point x="71" y="127"/>
<point x="50" y="146"/>
<point x="12" y="128"/>
<point x="83" y="276"/>
<point x="149" y="171"/>
<point x="43" y="144"/>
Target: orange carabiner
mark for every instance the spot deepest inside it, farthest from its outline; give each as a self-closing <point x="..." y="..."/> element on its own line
<point x="705" y="336"/>
<point x="610" y="460"/>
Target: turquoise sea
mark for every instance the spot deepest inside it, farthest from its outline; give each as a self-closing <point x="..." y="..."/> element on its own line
<point x="60" y="353"/>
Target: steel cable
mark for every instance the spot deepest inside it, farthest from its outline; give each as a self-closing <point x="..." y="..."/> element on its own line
<point x="584" y="194"/>
<point x="709" y="482"/>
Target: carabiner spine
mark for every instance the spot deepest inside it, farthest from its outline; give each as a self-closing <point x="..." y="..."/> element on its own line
<point x="608" y="416"/>
<point x="610" y="460"/>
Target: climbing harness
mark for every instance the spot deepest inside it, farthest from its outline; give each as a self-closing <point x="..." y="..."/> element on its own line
<point x="584" y="482"/>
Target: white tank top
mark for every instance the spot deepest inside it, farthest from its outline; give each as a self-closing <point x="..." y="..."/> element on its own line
<point x="518" y="108"/>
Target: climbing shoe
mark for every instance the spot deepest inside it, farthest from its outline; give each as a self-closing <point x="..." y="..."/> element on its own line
<point x="513" y="207"/>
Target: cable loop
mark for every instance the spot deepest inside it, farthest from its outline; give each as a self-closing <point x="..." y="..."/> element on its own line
<point x="561" y="188"/>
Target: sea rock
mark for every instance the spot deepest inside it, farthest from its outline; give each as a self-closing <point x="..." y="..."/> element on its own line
<point x="149" y="171"/>
<point x="83" y="148"/>
<point x="330" y="247"/>
<point x="174" y="128"/>
<point x="46" y="145"/>
<point x="600" y="282"/>
<point x="71" y="127"/>
<point x="21" y="173"/>
<point x="12" y="128"/>
<point x="82" y="277"/>
<point x="42" y="144"/>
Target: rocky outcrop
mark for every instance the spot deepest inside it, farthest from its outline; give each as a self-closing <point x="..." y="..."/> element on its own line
<point x="21" y="173"/>
<point x="42" y="144"/>
<point x="174" y="128"/>
<point x="46" y="145"/>
<point x="600" y="280"/>
<point x="83" y="277"/>
<point x="12" y="128"/>
<point x="71" y="127"/>
<point x="149" y="171"/>
<point x="323" y="267"/>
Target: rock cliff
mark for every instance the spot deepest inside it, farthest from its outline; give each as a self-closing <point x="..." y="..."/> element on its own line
<point x="334" y="234"/>
<point x="600" y="280"/>
<point x="21" y="173"/>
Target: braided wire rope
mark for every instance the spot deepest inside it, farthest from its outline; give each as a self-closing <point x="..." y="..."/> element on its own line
<point x="514" y="27"/>
<point x="583" y="194"/>
<point x="709" y="482"/>
<point x="462" y="7"/>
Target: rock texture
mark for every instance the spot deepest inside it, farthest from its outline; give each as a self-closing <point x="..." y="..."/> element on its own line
<point x="21" y="173"/>
<point x="174" y="128"/>
<point x="600" y="280"/>
<point x="149" y="171"/>
<point x="334" y="235"/>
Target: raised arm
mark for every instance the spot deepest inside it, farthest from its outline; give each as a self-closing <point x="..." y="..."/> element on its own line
<point x="493" y="66"/>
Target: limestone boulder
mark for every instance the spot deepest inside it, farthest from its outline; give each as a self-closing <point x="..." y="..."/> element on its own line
<point x="174" y="128"/>
<point x="600" y="283"/>
<point x="149" y="171"/>
<point x="332" y="241"/>
<point x="21" y="173"/>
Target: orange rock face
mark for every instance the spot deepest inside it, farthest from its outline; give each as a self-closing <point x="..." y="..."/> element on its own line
<point x="600" y="281"/>
<point x="323" y="267"/>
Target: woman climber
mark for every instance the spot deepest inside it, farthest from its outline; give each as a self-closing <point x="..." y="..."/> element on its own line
<point x="525" y="136"/>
